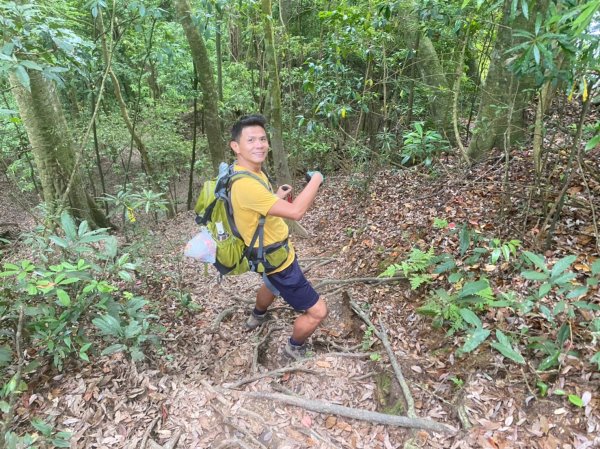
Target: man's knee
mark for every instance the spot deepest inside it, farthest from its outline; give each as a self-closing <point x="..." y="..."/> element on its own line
<point x="318" y="311"/>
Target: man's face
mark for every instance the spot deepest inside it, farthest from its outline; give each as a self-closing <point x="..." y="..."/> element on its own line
<point x="252" y="146"/>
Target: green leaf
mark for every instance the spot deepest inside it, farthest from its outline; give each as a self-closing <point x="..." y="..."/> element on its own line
<point x="505" y="348"/>
<point x="474" y="339"/>
<point x="534" y="275"/>
<point x="543" y="388"/>
<point x="108" y="325"/>
<point x="596" y="265"/>
<point x="133" y="329"/>
<point x="473" y="288"/>
<point x="4" y="407"/>
<point x="562" y="265"/>
<point x="549" y="362"/>
<point x="596" y="360"/>
<point x="23" y="77"/>
<point x="126" y="276"/>
<point x="563" y="334"/>
<point x="43" y="427"/>
<point x="536" y="54"/>
<point x="5" y="355"/>
<point x="59" y="241"/>
<point x="537" y="260"/>
<point x="586" y="305"/>
<point x="470" y="317"/>
<point x="594" y="141"/>
<point x="112" y="349"/>
<point x="63" y="297"/>
<point x="68" y="225"/>
<point x="544" y="289"/>
<point x="577" y="292"/>
<point x="525" y="9"/>
<point x="575" y="400"/>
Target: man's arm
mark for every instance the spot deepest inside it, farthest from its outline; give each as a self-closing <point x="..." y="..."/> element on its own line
<point x="297" y="209"/>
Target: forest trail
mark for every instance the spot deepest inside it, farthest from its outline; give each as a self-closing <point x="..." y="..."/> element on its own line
<point x="184" y="397"/>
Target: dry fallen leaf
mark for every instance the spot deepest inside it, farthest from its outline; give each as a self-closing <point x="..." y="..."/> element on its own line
<point x="330" y="422"/>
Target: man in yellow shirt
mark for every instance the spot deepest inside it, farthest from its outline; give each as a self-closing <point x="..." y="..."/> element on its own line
<point x="251" y="200"/>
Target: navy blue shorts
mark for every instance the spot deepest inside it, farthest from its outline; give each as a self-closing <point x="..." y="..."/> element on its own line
<point x="294" y="288"/>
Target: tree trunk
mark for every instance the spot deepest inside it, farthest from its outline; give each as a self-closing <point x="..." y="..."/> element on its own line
<point x="52" y="146"/>
<point x="210" y="96"/>
<point x="502" y="92"/>
<point x="282" y="170"/>
<point x="431" y="71"/>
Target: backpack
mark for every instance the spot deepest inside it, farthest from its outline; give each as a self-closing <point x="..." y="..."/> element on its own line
<point x="215" y="212"/>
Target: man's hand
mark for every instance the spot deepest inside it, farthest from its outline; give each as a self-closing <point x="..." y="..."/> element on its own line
<point x="311" y="174"/>
<point x="284" y="191"/>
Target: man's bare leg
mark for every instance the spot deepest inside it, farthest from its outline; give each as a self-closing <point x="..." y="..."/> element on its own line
<point x="264" y="298"/>
<point x="306" y="323"/>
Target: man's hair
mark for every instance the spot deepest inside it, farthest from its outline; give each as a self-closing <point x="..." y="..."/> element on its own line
<point x="244" y="122"/>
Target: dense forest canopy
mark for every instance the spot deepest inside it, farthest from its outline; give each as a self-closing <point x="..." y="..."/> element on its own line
<point x="116" y="111"/>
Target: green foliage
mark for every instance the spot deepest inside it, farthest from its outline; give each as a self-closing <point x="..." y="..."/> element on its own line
<point x="414" y="268"/>
<point x="461" y="295"/>
<point x="79" y="276"/>
<point x="422" y="145"/>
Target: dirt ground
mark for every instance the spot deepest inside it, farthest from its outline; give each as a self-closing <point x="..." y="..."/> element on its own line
<point x="198" y="390"/>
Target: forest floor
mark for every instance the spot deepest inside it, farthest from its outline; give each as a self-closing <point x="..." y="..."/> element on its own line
<point x="185" y="395"/>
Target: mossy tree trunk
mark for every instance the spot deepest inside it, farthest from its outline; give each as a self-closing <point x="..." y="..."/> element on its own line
<point x="210" y="95"/>
<point x="53" y="150"/>
<point x="430" y="70"/>
<point x="500" y="121"/>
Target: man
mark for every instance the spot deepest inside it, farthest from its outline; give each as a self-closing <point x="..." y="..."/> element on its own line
<point x="250" y="200"/>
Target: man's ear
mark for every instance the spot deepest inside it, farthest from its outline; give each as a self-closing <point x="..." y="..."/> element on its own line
<point x="234" y="146"/>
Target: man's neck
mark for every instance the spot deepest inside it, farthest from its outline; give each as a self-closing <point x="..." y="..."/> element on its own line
<point x="251" y="167"/>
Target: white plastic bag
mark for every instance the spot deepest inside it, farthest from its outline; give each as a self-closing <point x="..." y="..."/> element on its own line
<point x="202" y="247"/>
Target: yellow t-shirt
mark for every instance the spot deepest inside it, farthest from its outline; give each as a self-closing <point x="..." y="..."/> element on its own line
<point x="250" y="200"/>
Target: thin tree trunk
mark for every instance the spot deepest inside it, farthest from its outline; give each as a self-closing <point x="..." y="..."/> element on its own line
<point x="194" y="141"/>
<point x="125" y="114"/>
<point x="53" y="151"/>
<point x="492" y="120"/>
<point x="216" y="143"/>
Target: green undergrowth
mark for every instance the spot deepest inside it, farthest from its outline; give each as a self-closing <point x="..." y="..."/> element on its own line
<point x="490" y="293"/>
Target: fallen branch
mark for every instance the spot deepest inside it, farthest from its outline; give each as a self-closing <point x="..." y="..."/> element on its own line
<point x="273" y="373"/>
<point x="347" y="412"/>
<point x="148" y="432"/>
<point x="367" y="280"/>
<point x="410" y="403"/>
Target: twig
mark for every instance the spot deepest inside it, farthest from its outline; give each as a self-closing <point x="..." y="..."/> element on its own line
<point x="362" y="377"/>
<point x="365" y="280"/>
<point x="230" y="423"/>
<point x="17" y="378"/>
<point x="410" y="404"/>
<point x="347" y="412"/>
<point x="172" y="443"/>
<point x="334" y="345"/>
<point x="317" y="265"/>
<point x="276" y="372"/>
<point x="229" y="442"/>
<point x="591" y="200"/>
<point x="147" y="433"/>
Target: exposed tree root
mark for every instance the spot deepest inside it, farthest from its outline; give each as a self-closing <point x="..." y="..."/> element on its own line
<point x="148" y="432"/>
<point x="214" y="328"/>
<point x="259" y="344"/>
<point x="410" y="403"/>
<point x="276" y="372"/>
<point x="347" y="412"/>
